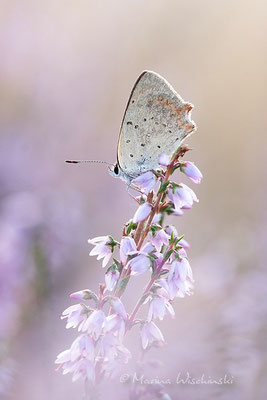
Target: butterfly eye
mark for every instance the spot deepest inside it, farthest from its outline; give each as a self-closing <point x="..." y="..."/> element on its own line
<point x="116" y="169"/>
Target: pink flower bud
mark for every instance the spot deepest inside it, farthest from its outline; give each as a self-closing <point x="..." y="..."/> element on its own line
<point x="183" y="197"/>
<point x="175" y="199"/>
<point x="170" y="229"/>
<point x="150" y="333"/>
<point x="178" y="212"/>
<point x="139" y="264"/>
<point x="159" y="239"/>
<point x="101" y="249"/>
<point x="94" y="324"/>
<point x="111" y="278"/>
<point x="115" y="324"/>
<point x="78" y="359"/>
<point x="77" y="295"/>
<point x="184" y="244"/>
<point x="164" y="160"/>
<point x="180" y="278"/>
<point x="127" y="246"/>
<point x="156" y="219"/>
<point x="85" y="294"/>
<point x="192" y="171"/>
<point x="75" y="315"/>
<point x="159" y="306"/>
<point x="118" y="307"/>
<point x="187" y="196"/>
<point x="142" y="212"/>
<point x="145" y="182"/>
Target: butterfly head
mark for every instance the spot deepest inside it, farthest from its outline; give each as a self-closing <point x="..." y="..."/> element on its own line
<point x="115" y="170"/>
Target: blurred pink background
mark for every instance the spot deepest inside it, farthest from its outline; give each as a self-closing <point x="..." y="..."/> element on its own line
<point x="66" y="72"/>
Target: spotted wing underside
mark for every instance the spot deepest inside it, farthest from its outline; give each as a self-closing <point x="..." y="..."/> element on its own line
<point x="156" y="121"/>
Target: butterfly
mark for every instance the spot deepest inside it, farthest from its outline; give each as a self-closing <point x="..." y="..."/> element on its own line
<point x="155" y="122"/>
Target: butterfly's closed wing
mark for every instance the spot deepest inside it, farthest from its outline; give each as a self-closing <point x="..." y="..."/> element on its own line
<point x="156" y="121"/>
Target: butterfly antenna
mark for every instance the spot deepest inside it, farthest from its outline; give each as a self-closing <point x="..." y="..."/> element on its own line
<point x="87" y="161"/>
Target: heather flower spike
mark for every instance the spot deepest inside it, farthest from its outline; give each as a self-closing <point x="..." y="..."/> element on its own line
<point x="148" y="246"/>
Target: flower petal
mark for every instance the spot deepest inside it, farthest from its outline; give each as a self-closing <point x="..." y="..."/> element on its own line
<point x="142" y="212"/>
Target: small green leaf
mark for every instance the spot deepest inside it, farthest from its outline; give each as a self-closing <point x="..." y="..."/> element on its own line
<point x="168" y="254"/>
<point x="172" y="239"/>
<point x="155" y="228"/>
<point x="131" y="226"/>
<point x="118" y="264"/>
<point x="144" y="297"/>
<point x="90" y="295"/>
<point x="163" y="187"/>
<point x="122" y="284"/>
<point x="164" y="272"/>
<point x="174" y="168"/>
<point x="179" y="239"/>
<point x="112" y="243"/>
<point x="86" y="310"/>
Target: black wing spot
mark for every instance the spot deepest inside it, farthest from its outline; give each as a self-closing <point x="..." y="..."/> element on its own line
<point x="131" y="155"/>
<point x="145" y="119"/>
<point x="170" y="131"/>
<point x="152" y="117"/>
<point x="129" y="123"/>
<point x="136" y="126"/>
<point x="142" y="144"/>
<point x="128" y="141"/>
<point x="159" y="147"/>
<point x="132" y="101"/>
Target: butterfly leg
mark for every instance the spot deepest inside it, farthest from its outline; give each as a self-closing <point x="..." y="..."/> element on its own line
<point x="128" y="191"/>
<point x="130" y="186"/>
